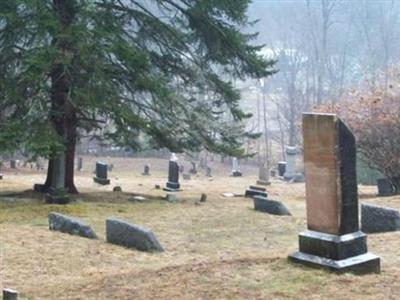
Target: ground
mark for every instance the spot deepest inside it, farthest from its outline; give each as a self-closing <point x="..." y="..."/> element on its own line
<point x="221" y="249"/>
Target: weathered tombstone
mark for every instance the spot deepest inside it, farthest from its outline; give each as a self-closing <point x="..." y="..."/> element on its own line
<point x="71" y="225"/>
<point x="117" y="189"/>
<point x="379" y="219"/>
<point x="255" y="190"/>
<point x="146" y="170"/>
<point x="131" y="236"/>
<point x="208" y="172"/>
<point x="281" y="168"/>
<point x="80" y="163"/>
<point x="10" y="294"/>
<point x="13" y="164"/>
<point x="235" y="167"/>
<point x="385" y="187"/>
<point x="270" y="206"/>
<point x="101" y="173"/>
<point x="291" y="155"/>
<point x="263" y="175"/>
<point x="57" y="193"/>
<point x="333" y="239"/>
<point x="186" y="176"/>
<point x="203" y="197"/>
<point x="193" y="170"/>
<point x="173" y="175"/>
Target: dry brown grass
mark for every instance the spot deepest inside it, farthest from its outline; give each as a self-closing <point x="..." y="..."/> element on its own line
<point x="222" y="249"/>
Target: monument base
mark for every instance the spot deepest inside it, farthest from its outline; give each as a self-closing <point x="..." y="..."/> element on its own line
<point x="172" y="187"/>
<point x="344" y="253"/>
<point x="55" y="196"/>
<point x="263" y="182"/>
<point x="103" y="181"/>
<point x="253" y="192"/>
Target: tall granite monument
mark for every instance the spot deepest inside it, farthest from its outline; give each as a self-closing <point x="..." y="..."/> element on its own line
<point x="333" y="239"/>
<point x="173" y="175"/>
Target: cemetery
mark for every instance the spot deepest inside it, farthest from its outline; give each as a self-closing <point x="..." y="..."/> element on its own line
<point x="174" y="149"/>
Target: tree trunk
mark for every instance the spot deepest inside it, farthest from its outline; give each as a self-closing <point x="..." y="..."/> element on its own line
<point x="396" y="183"/>
<point x="47" y="183"/>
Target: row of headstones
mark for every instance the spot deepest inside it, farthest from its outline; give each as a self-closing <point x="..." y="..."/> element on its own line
<point x="117" y="232"/>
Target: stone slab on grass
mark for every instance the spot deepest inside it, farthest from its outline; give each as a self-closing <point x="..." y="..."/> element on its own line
<point x="379" y="219"/>
<point x="71" y="225"/>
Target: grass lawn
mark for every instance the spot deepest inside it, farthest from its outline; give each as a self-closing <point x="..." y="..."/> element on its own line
<point x="222" y="249"/>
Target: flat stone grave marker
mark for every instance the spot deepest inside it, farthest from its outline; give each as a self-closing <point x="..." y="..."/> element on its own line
<point x="333" y="239"/>
<point x="270" y="206"/>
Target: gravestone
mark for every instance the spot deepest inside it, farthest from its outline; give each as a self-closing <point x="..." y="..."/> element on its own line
<point x="332" y="239"/>
<point x="281" y="168"/>
<point x="173" y="175"/>
<point x="263" y="175"/>
<point x="193" y="170"/>
<point x="235" y="167"/>
<point x="273" y="207"/>
<point x="110" y="167"/>
<point x="256" y="191"/>
<point x="13" y="164"/>
<point x="101" y="173"/>
<point x="80" y="163"/>
<point x="385" y="187"/>
<point x="71" y="225"/>
<point x="208" y="172"/>
<point x="10" y="294"/>
<point x="131" y="236"/>
<point x="146" y="170"/>
<point x="291" y="155"/>
<point x="379" y="219"/>
<point x="56" y="192"/>
<point x="186" y="176"/>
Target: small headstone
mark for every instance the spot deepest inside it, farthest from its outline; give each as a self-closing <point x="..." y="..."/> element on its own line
<point x="203" y="198"/>
<point x="101" y="173"/>
<point x="171" y="198"/>
<point x="208" y="172"/>
<point x="270" y="206"/>
<point x="379" y="219"/>
<point x="333" y="239"/>
<point x="146" y="170"/>
<point x="173" y="175"/>
<point x="281" y="168"/>
<point x="13" y="164"/>
<point x="80" y="164"/>
<point x="130" y="235"/>
<point x="186" y="176"/>
<point x="117" y="189"/>
<point x="10" y="294"/>
<point x="385" y="187"/>
<point x="71" y="225"/>
<point x="298" y="177"/>
<point x="157" y="186"/>
<point x="193" y="170"/>
<point x="40" y="188"/>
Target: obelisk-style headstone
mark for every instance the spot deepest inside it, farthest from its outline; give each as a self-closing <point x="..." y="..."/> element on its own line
<point x="101" y="173"/>
<point x="173" y="175"/>
<point x="333" y="239"/>
<point x="235" y="167"/>
<point x="291" y="155"/>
